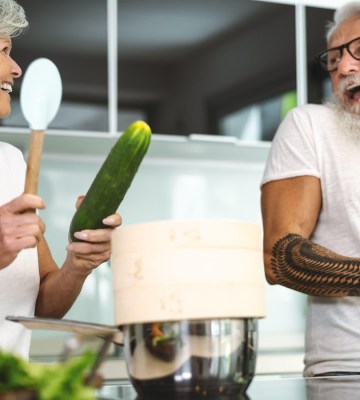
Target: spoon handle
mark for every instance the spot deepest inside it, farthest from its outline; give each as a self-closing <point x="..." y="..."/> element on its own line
<point x="33" y="162"/>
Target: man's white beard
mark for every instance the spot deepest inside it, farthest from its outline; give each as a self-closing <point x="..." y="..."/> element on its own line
<point x="347" y="118"/>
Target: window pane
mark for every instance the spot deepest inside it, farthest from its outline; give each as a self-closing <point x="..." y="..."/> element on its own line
<point x="188" y="62"/>
<point x="73" y="34"/>
<point x="258" y="121"/>
<point x="316" y="19"/>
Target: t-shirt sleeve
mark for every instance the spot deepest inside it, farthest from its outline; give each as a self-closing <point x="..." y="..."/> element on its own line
<point x="293" y="150"/>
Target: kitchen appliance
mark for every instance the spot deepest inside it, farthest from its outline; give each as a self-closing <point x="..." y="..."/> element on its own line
<point x="209" y="357"/>
<point x="188" y="295"/>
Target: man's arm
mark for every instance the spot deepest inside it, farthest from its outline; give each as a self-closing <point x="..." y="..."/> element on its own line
<point x="290" y="209"/>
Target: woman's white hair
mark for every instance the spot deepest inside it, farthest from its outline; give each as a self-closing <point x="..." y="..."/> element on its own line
<point x="342" y="14"/>
<point x="12" y="19"/>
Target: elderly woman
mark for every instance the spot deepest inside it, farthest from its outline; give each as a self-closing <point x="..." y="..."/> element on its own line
<point x="30" y="281"/>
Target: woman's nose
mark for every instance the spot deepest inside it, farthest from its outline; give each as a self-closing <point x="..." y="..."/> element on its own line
<point x="15" y="69"/>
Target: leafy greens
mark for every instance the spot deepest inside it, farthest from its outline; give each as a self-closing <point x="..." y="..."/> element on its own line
<point x="57" y="381"/>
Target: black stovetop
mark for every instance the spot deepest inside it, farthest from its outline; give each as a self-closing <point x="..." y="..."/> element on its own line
<point x="284" y="387"/>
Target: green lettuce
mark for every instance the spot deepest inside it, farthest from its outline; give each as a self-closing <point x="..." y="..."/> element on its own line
<point x="57" y="381"/>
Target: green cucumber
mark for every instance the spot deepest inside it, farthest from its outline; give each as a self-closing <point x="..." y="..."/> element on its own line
<point x="113" y="179"/>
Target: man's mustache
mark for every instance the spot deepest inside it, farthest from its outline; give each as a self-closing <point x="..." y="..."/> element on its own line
<point x="347" y="83"/>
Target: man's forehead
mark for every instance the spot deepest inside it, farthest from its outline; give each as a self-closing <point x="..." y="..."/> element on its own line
<point x="346" y="31"/>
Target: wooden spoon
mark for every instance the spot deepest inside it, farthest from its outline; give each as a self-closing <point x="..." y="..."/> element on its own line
<point x="40" y="98"/>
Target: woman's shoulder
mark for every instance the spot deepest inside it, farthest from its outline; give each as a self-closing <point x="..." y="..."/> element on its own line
<point x="10" y="155"/>
<point x="7" y="149"/>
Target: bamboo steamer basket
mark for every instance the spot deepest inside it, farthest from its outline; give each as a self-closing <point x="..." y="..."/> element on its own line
<point x="176" y="270"/>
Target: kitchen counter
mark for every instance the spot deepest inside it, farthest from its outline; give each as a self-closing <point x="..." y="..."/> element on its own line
<point x="265" y="388"/>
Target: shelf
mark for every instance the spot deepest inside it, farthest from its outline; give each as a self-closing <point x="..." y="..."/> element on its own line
<point x="193" y="147"/>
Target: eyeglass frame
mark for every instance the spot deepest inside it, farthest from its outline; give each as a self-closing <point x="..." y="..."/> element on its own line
<point x="341" y="50"/>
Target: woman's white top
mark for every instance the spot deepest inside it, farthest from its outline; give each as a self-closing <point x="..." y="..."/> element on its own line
<point x="19" y="282"/>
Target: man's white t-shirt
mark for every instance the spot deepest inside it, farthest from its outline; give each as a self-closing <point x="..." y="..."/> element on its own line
<point x="19" y="282"/>
<point x="310" y="141"/>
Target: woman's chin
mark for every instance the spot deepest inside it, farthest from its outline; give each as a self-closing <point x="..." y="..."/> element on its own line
<point x="5" y="112"/>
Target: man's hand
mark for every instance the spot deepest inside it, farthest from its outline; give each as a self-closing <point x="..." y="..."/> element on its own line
<point x="20" y="228"/>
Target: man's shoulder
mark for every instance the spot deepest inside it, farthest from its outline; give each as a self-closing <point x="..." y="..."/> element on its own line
<point x="312" y="109"/>
<point x="314" y="113"/>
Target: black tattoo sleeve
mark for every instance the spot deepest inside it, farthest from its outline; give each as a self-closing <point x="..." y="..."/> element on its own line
<point x="305" y="266"/>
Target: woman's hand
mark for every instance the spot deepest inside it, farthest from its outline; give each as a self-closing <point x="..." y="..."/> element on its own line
<point x="20" y="227"/>
<point x="95" y="245"/>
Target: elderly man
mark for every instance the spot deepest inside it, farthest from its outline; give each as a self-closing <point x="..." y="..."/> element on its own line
<point x="311" y="206"/>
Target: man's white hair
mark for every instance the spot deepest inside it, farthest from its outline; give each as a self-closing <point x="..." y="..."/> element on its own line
<point x="342" y="14"/>
<point x="12" y="19"/>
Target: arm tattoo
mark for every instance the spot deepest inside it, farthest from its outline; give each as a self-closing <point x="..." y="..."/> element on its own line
<point x="305" y="266"/>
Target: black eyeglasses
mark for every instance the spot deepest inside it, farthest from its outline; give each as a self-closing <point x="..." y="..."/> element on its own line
<point x="330" y="59"/>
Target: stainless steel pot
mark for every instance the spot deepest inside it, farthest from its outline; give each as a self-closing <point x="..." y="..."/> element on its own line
<point x="194" y="357"/>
